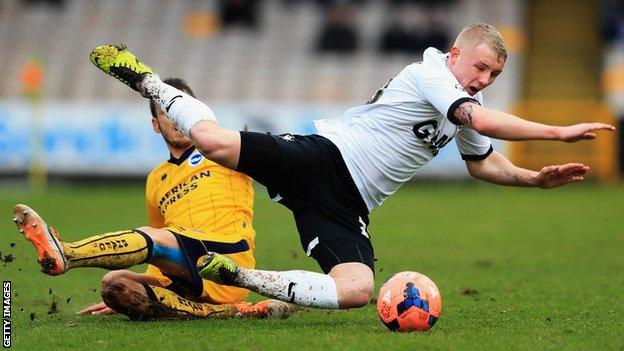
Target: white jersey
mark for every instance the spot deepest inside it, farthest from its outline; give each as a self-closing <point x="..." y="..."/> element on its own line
<point x="403" y="127"/>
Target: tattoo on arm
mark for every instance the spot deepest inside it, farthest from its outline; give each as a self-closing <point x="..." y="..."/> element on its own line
<point x="512" y="177"/>
<point x="464" y="113"/>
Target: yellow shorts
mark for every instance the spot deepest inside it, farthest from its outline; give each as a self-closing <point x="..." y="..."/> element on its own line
<point x="194" y="243"/>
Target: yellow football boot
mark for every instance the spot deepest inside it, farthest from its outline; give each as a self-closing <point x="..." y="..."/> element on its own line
<point x="218" y="268"/>
<point x="118" y="62"/>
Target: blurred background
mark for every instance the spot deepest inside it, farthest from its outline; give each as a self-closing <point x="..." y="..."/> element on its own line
<point x="276" y="65"/>
<point x="518" y="269"/>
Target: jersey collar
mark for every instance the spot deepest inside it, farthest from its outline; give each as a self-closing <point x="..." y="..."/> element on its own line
<point x="182" y="158"/>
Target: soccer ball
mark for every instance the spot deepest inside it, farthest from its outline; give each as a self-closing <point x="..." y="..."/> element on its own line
<point x="409" y="301"/>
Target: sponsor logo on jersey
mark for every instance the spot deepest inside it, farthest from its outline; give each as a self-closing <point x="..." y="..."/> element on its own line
<point x="433" y="138"/>
<point x="195" y="159"/>
<point x="180" y="190"/>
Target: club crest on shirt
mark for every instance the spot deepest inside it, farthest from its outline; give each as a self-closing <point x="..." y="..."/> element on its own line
<point x="195" y="159"/>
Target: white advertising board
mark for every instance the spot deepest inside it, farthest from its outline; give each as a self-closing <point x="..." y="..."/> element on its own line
<point x="117" y="139"/>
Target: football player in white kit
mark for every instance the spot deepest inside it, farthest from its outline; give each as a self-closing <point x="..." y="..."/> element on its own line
<point x="332" y="180"/>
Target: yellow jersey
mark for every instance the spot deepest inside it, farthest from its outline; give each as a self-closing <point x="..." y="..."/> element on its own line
<point x="193" y="192"/>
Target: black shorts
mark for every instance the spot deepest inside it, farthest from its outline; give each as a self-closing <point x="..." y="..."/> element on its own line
<point x="307" y="174"/>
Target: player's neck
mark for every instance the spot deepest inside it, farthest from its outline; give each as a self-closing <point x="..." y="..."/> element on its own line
<point x="177" y="152"/>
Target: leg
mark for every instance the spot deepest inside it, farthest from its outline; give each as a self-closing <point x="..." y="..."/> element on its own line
<point x="135" y="295"/>
<point x="331" y="219"/>
<point x="110" y="250"/>
<point x="354" y="283"/>
<point x="124" y="292"/>
<point x="196" y="120"/>
<point x="139" y="297"/>
<point x="101" y="308"/>
<point x="349" y="284"/>
<point x="217" y="144"/>
<point x="166" y="253"/>
<point x="128" y="293"/>
<point x="350" y="264"/>
<point x="175" y="253"/>
<point x="114" y="250"/>
<point x="236" y="247"/>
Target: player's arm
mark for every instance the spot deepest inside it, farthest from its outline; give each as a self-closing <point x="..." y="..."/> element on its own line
<point x="501" y="125"/>
<point x="497" y="169"/>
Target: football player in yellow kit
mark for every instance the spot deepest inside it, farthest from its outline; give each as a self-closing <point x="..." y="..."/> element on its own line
<point x="194" y="206"/>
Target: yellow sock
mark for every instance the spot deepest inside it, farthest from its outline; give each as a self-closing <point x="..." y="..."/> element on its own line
<point x="185" y="307"/>
<point x="110" y="250"/>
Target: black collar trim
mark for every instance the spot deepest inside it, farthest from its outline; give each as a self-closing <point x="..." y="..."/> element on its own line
<point x="183" y="157"/>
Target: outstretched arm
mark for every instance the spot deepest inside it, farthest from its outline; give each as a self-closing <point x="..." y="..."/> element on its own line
<point x="501" y="125"/>
<point x="499" y="170"/>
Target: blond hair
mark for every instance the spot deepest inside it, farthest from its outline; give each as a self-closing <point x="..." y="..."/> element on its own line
<point x="478" y="33"/>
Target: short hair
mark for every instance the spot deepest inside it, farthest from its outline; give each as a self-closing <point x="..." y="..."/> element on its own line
<point x="478" y="33"/>
<point x="178" y="83"/>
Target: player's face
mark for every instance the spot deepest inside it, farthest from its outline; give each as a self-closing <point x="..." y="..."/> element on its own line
<point x="475" y="67"/>
<point x="173" y="137"/>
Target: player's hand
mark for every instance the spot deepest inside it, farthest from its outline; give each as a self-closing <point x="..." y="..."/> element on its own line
<point x="98" y="308"/>
<point x="582" y="131"/>
<point x="554" y="176"/>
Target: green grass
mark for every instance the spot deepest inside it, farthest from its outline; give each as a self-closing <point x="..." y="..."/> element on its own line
<point x="545" y="267"/>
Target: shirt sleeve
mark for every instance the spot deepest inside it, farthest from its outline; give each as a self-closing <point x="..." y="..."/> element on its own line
<point x="473" y="146"/>
<point x="441" y="89"/>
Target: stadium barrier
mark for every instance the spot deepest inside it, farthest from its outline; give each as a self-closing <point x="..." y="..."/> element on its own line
<point x="118" y="140"/>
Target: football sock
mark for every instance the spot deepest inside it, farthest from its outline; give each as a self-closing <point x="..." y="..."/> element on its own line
<point x="185" y="307"/>
<point x="299" y="287"/>
<point x="114" y="250"/>
<point x="182" y="109"/>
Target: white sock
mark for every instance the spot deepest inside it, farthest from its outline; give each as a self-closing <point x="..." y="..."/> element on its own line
<point x="182" y="109"/>
<point x="299" y="287"/>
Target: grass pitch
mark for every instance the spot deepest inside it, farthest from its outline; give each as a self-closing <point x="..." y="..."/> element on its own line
<point x="517" y="269"/>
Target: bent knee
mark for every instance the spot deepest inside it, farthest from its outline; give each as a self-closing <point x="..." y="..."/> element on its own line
<point x="355" y="283"/>
<point x="356" y="297"/>
<point x="115" y="276"/>
<point x="114" y="288"/>
<point x="354" y="292"/>
<point x="118" y="289"/>
<point x="125" y="295"/>
<point x="159" y="236"/>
